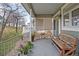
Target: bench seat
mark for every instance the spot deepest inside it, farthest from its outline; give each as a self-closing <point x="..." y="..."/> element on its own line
<point x="66" y="45"/>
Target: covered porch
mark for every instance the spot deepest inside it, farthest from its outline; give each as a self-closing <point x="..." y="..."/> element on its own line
<point x="49" y="29"/>
<point x="50" y="20"/>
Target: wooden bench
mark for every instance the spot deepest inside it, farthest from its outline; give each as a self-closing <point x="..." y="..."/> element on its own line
<point x="65" y="44"/>
<point x="48" y="34"/>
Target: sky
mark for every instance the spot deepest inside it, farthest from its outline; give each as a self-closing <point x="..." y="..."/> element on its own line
<point x="27" y="18"/>
<point x="25" y="13"/>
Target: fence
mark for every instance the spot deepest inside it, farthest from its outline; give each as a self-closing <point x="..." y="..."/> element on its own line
<point x="8" y="41"/>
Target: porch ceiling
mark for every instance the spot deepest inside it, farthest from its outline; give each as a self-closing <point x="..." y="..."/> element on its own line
<point x="45" y="8"/>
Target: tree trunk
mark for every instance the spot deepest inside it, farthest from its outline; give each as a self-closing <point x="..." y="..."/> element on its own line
<point x="3" y="27"/>
<point x="1" y="32"/>
<point x="16" y="25"/>
<point x="9" y="24"/>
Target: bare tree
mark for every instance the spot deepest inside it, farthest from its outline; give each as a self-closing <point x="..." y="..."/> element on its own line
<point x="18" y="16"/>
<point x="8" y="10"/>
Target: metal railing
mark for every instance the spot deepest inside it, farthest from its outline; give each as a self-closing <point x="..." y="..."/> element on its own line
<point x="7" y="45"/>
<point x="8" y="41"/>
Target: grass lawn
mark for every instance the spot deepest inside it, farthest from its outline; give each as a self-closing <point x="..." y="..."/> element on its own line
<point x="9" y="39"/>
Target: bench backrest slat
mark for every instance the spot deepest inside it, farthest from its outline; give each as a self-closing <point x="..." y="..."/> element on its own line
<point x="68" y="39"/>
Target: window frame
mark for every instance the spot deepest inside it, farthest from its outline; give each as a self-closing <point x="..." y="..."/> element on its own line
<point x="70" y="15"/>
<point x="64" y="21"/>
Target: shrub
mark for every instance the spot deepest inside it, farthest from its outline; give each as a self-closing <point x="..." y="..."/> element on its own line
<point x="27" y="48"/>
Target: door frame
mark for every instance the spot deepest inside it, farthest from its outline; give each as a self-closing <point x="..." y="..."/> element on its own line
<point x="57" y="23"/>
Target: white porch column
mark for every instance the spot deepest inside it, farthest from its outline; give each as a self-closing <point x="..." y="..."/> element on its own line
<point x="70" y="18"/>
<point x="30" y="23"/>
<point x="35" y="24"/>
<point x="52" y="27"/>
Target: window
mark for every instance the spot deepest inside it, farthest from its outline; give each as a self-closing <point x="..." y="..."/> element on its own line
<point x="66" y="19"/>
<point x="75" y="17"/>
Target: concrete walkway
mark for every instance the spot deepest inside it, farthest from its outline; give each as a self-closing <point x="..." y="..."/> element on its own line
<point x="44" y="47"/>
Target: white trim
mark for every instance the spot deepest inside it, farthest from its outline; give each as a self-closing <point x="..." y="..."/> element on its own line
<point x="72" y="9"/>
<point x="70" y="28"/>
<point x="56" y="14"/>
<point x="67" y="19"/>
<point x="62" y="16"/>
<point x="59" y="26"/>
<point x="75" y="8"/>
<point x="30" y="23"/>
<point x="44" y="18"/>
<point x="70" y="18"/>
<point x="64" y="5"/>
<point x="66" y="13"/>
<point x="52" y="27"/>
<point x="58" y="21"/>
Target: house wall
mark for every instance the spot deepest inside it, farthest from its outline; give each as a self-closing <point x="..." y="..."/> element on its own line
<point x="73" y="33"/>
<point x="43" y="23"/>
<point x="69" y="29"/>
<point x="39" y="24"/>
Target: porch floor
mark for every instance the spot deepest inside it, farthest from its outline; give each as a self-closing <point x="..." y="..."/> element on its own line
<point x="44" y="47"/>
